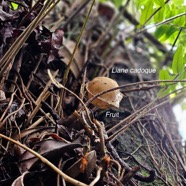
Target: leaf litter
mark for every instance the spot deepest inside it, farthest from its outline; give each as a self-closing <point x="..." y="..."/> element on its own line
<point x="76" y="139"/>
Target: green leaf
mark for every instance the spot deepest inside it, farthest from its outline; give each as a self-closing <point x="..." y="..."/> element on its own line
<point x="163" y="92"/>
<point x="172" y="88"/>
<point x="166" y="32"/>
<point x="146" y="12"/>
<point x="178" y="2"/>
<point x="177" y="64"/>
<point x="118" y="3"/>
<point x="102" y="1"/>
<point x="160" y="31"/>
<point x="183" y="76"/>
<point x="181" y="40"/>
<point x="170" y="31"/>
<point x="159" y="16"/>
<point x="14" y="5"/>
<point x="168" y="11"/>
<point x="172" y="38"/>
<point x="169" y="87"/>
<point x="177" y="10"/>
<point x="164" y="75"/>
<point x="140" y="3"/>
<point x="184" y="60"/>
<point x="159" y="2"/>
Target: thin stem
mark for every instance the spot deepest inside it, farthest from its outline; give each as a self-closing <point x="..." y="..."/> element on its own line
<point x="77" y="44"/>
<point x="162" y="22"/>
<point x="155" y="12"/>
<point x="97" y="177"/>
<point x="124" y="128"/>
<point x="57" y="84"/>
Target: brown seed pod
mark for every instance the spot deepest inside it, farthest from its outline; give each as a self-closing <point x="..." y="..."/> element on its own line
<point x="107" y="100"/>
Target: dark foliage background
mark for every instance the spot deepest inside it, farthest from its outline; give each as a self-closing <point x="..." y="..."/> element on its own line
<point x="140" y="147"/>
